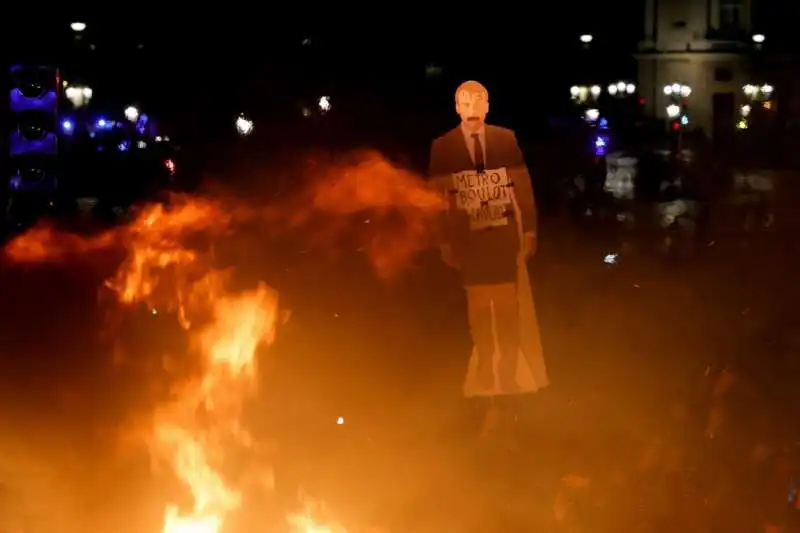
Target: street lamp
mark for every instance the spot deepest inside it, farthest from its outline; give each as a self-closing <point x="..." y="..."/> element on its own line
<point x="79" y="96"/>
<point x="592" y="115"/>
<point x="587" y="38"/>
<point x="673" y="110"/>
<point x="78" y="27"/>
<point x="759" y="38"/>
<point x="754" y="93"/>
<point x="758" y="92"/>
<point x="676" y="90"/>
<point x="244" y="126"/>
<point x="621" y="89"/>
<point x="131" y="113"/>
<point x="581" y="93"/>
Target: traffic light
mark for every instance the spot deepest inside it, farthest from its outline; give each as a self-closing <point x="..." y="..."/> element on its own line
<point x="33" y="142"/>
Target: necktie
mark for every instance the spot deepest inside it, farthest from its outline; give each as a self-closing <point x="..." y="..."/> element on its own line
<point x="480" y="164"/>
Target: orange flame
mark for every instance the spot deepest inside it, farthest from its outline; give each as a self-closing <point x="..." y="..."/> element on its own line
<point x="202" y="421"/>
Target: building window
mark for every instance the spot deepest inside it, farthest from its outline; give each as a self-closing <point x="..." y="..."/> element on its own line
<point x="730" y="14"/>
<point x="723" y="74"/>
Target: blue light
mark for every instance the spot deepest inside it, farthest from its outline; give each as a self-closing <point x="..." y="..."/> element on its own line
<point x="684" y="120"/>
<point x="123" y="146"/>
<point x="600" y="145"/>
<point x="603" y="124"/>
<point x="67" y="126"/>
<point x="101" y="123"/>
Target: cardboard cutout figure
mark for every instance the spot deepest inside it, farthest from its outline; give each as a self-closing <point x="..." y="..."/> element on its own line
<point x="489" y="233"/>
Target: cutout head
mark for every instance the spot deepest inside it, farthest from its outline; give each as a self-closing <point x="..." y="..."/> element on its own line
<point x="472" y="104"/>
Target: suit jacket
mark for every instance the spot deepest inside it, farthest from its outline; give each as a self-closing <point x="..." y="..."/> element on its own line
<point x="485" y="256"/>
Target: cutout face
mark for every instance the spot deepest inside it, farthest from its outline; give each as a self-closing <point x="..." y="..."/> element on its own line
<point x="472" y="105"/>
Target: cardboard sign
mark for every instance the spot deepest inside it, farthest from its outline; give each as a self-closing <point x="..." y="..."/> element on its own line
<point x="487" y="196"/>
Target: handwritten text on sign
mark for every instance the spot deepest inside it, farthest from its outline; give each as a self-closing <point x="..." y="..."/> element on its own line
<point x="486" y="196"/>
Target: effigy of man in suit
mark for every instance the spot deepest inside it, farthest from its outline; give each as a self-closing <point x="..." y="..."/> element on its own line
<point x="489" y="232"/>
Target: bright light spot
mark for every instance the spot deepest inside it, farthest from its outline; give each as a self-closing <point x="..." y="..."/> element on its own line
<point x="668" y="89"/>
<point x="767" y="89"/>
<point x="170" y="164"/>
<point x="586" y="38"/>
<point x="749" y="89"/>
<point x="101" y="123"/>
<point x="141" y="145"/>
<point x="600" y="145"/>
<point x="610" y="259"/>
<point x="621" y="86"/>
<point x="158" y="138"/>
<point x="131" y="113"/>
<point x="758" y="38"/>
<point x="684" y="120"/>
<point x="79" y="96"/>
<point x="592" y="114"/>
<point x="340" y="421"/>
<point x="324" y="104"/>
<point x="630" y="88"/>
<point x="742" y="124"/>
<point x="673" y="110"/>
<point x="67" y="126"/>
<point x="574" y="91"/>
<point x="244" y="126"/>
<point x="676" y="87"/>
<point x="78" y="26"/>
<point x="595" y="90"/>
<point x="612" y="90"/>
<point x="686" y="91"/>
<point x="745" y="110"/>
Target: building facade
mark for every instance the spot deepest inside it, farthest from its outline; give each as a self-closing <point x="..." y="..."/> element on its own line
<point x="702" y="45"/>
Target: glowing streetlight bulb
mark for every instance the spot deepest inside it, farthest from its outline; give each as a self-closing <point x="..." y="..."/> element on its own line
<point x="586" y="38"/>
<point x="630" y="88"/>
<point x="612" y="90"/>
<point x="758" y="38"/>
<point x="767" y="89"/>
<point x="79" y="96"/>
<point x="131" y="113"/>
<point x="78" y="26"/>
<point x="244" y="126"/>
<point x="324" y="104"/>
<point x="592" y="114"/>
<point x="595" y="90"/>
<point x="673" y="110"/>
<point x="574" y="91"/>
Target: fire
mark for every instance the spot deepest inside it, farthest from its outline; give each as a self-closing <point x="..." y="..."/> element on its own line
<point x="202" y="422"/>
<point x="198" y="429"/>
